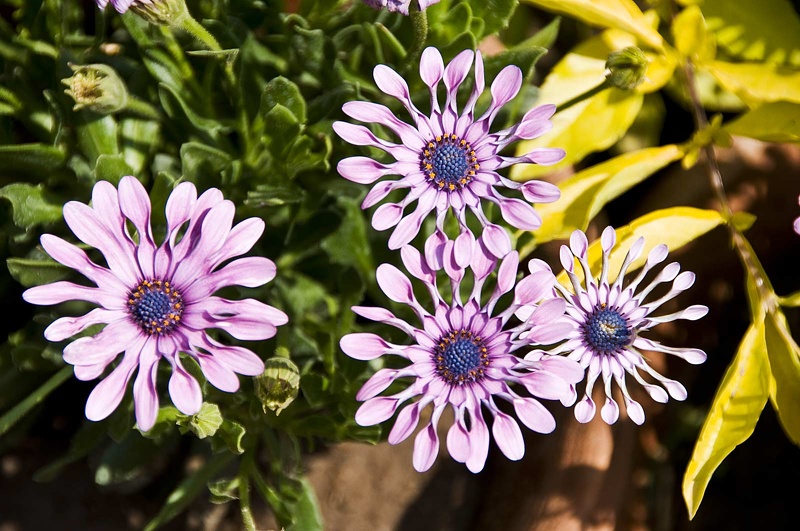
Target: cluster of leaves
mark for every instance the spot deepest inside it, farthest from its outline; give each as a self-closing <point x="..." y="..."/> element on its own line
<point x="253" y="118"/>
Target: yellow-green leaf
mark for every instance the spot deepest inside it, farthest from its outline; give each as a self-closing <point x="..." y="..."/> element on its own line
<point x="674" y="227"/>
<point x="755" y="30"/>
<point x="691" y="35"/>
<point x="598" y="121"/>
<point x="621" y="14"/>
<point x="772" y="122"/>
<point x="756" y="83"/>
<point x="584" y="194"/>
<point x="784" y="360"/>
<point x="733" y="415"/>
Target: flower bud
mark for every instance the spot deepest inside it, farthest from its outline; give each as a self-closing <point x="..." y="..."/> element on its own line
<point x="96" y="87"/>
<point x="626" y="68"/>
<point x="277" y="387"/>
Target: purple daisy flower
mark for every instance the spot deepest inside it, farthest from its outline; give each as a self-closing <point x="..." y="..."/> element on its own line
<point x="448" y="160"/>
<point x="122" y="6"/>
<point x="400" y="5"/>
<point x="462" y="357"/>
<point x="608" y="318"/>
<point x="157" y="302"/>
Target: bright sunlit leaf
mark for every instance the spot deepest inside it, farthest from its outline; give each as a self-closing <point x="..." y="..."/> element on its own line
<point x="755" y="83"/>
<point x="772" y="122"/>
<point x="784" y="359"/>
<point x="732" y="417"/>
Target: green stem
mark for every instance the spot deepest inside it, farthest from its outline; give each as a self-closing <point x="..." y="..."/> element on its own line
<point x="419" y="23"/>
<point x="585" y="96"/>
<point x="188" y="24"/>
<point x="142" y="108"/>
<point x="15" y="414"/>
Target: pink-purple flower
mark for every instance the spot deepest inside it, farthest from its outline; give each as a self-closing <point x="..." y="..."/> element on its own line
<point x="157" y="301"/>
<point x="462" y="356"/>
<point x="797" y="222"/>
<point x="448" y="160"/>
<point x="401" y="6"/>
<point x="608" y="318"/>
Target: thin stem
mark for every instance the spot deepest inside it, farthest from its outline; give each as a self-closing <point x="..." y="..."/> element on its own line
<point x="767" y="297"/>
<point x="419" y="23"/>
<point x="585" y="96"/>
<point x="187" y="23"/>
<point x="15" y="414"/>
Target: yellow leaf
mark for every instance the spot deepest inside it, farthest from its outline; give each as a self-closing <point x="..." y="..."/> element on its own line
<point x="621" y="14"/>
<point x="784" y="360"/>
<point x="674" y="227"/>
<point x="756" y="30"/>
<point x="755" y="83"/>
<point x="772" y="122"/>
<point x="599" y="121"/>
<point x="691" y="35"/>
<point x="584" y="194"/>
<point x="733" y="415"/>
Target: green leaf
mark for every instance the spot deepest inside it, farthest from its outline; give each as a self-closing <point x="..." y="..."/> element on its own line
<point x="306" y="513"/>
<point x="282" y="91"/>
<point x="34" y="159"/>
<point x="138" y="136"/>
<point x="266" y="195"/>
<point x="732" y="418"/>
<point x="130" y="459"/>
<point x="200" y="160"/>
<point x="756" y="83"/>
<point x="624" y="15"/>
<point x="188" y="490"/>
<point x="204" y="423"/>
<point x="791" y="301"/>
<point x="584" y="194"/>
<point x="168" y="95"/>
<point x="97" y="135"/>
<point x="284" y="128"/>
<point x="349" y="245"/>
<point x="784" y="361"/>
<point x="755" y="30"/>
<point x="772" y="122"/>
<point x="224" y="490"/>
<point x="16" y="413"/>
<point x="31" y="205"/>
<point x="111" y="168"/>
<point x="495" y="14"/>
<point x="30" y="272"/>
<point x="229" y="437"/>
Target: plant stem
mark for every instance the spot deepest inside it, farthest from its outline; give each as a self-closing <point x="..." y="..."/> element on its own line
<point x="585" y="96"/>
<point x="419" y="22"/>
<point x="187" y="23"/>
<point x="15" y="414"/>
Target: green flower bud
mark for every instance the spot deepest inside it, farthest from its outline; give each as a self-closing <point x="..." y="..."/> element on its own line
<point x="626" y="68"/>
<point x="277" y="387"/>
<point x="96" y="87"/>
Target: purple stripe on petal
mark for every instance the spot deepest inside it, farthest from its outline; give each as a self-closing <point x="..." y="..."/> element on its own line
<point x="104" y="345"/>
<point x="218" y="374"/>
<point x="426" y="447"/>
<point x="536" y="191"/>
<point x="519" y="214"/>
<point x="496" y="240"/>
<point x="145" y="395"/>
<point x="362" y="170"/>
<point x="107" y="395"/>
<point x="534" y="415"/>
<point x="184" y="390"/>
<point x="406" y="423"/>
<point x="394" y="284"/>
<point x="65" y="327"/>
<point x="376" y="410"/>
<point x="387" y="216"/>
<point x="458" y="442"/>
<point x="135" y="205"/>
<point x="508" y="436"/>
<point x="249" y="272"/>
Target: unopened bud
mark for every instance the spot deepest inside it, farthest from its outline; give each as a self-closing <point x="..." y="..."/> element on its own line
<point x="277" y="387"/>
<point x="626" y="68"/>
<point x="96" y="87"/>
<point x="160" y="12"/>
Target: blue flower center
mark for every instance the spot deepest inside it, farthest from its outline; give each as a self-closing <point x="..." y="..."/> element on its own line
<point x="606" y="331"/>
<point x="155" y="306"/>
<point x="449" y="162"/>
<point x="460" y="357"/>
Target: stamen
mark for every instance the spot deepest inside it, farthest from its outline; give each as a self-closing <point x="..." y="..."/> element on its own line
<point x="155" y="306"/>
<point x="460" y="357"/>
<point x="606" y="331"/>
<point x="449" y="163"/>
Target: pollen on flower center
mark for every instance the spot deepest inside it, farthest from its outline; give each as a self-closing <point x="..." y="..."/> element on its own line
<point x="606" y="331"/>
<point x="155" y="306"/>
<point x="449" y="162"/>
<point x="460" y="357"/>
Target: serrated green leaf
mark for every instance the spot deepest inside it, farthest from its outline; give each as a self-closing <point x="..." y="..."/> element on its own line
<point x="30" y="158"/>
<point x="584" y="194"/>
<point x="31" y="205"/>
<point x="756" y="83"/>
<point x="624" y="15"/>
<point x="772" y="122"/>
<point x="205" y="422"/>
<point x="732" y="418"/>
<point x="224" y="490"/>
<point x="784" y="361"/>
<point x="229" y="437"/>
<point x="755" y="30"/>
